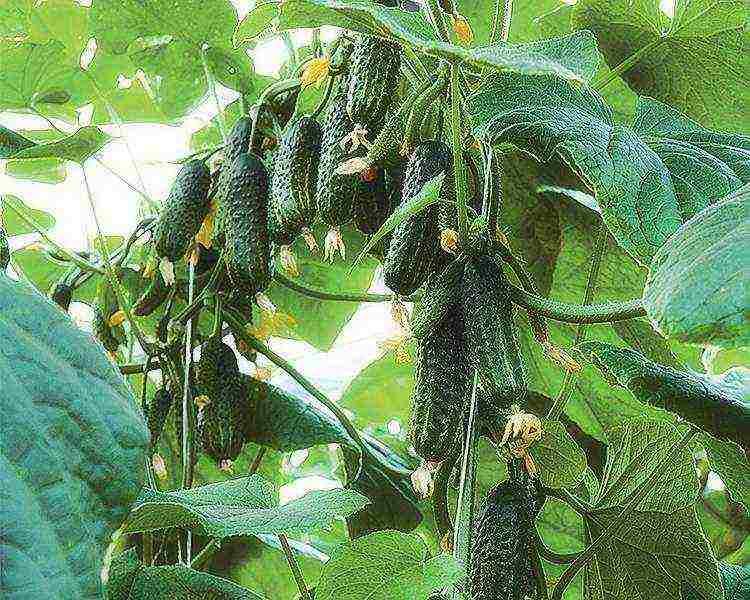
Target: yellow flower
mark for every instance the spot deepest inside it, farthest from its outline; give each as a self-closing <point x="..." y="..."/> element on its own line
<point x="206" y="233"/>
<point x="462" y="28"/>
<point x="202" y="401"/>
<point x="449" y="240"/>
<point x="117" y="318"/>
<point x="315" y="71"/>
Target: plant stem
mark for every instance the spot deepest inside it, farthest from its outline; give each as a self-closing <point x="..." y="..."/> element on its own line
<point x="459" y="168"/>
<point x="627" y="64"/>
<point x="299" y="578"/>
<point x="538" y="570"/>
<point x="564" y="312"/>
<point x="436" y="17"/>
<point x="462" y="536"/>
<point x="110" y="272"/>
<point x="187" y="463"/>
<point x="440" y="509"/>
<point x="416" y="62"/>
<point x="631" y="502"/>
<point x="570" y="376"/>
<point x="321" y="295"/>
<point x="234" y="321"/>
<point x="578" y="505"/>
<point x="550" y="555"/>
<point x="257" y="460"/>
<point x="504" y="19"/>
<point x="205" y="554"/>
<point x="71" y="256"/>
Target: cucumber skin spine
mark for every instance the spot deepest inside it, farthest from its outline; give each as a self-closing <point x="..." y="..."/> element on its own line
<point x="294" y="180"/>
<point x="183" y="211"/>
<point x="245" y="224"/>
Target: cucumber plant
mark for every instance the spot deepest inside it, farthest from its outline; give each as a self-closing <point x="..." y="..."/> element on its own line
<point x="534" y="425"/>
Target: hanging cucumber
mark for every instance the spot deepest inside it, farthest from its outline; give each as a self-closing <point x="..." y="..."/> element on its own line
<point x="376" y="205"/>
<point x="184" y="211"/>
<point x="293" y="204"/>
<point x="62" y="294"/>
<point x="153" y="297"/>
<point x="157" y="412"/>
<point x="110" y="336"/>
<point x="491" y="335"/>
<point x="373" y="78"/>
<point x="441" y="390"/>
<point x="415" y="250"/>
<point x="245" y="224"/>
<point x="500" y="566"/>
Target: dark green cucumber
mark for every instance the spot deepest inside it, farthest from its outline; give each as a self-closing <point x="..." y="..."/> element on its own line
<point x="374" y="71"/>
<point x="153" y="297"/>
<point x="295" y="177"/>
<point x="491" y="335"/>
<point x="106" y="305"/>
<point x="183" y="211"/>
<point x="337" y="194"/>
<point x="500" y="566"/>
<point x="415" y="249"/>
<point x="158" y="409"/>
<point x="4" y="250"/>
<point x="442" y="291"/>
<point x="442" y="389"/>
<point x="244" y="216"/>
<point x="217" y="364"/>
<point x="220" y="422"/>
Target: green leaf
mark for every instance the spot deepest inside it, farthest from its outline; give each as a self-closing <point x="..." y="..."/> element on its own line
<point x="385" y="566"/>
<point x="31" y="70"/>
<point x="42" y="170"/>
<point x="698" y="61"/>
<point x="562" y="531"/>
<point x="130" y="580"/>
<point x="77" y="147"/>
<point x="320" y="322"/>
<point x="731" y="464"/>
<point x="574" y="57"/>
<point x="640" y="336"/>
<point x="380" y="393"/>
<point x="243" y="506"/>
<point x="166" y="38"/>
<point x="718" y="405"/>
<point x="647" y="179"/>
<point x="429" y="194"/>
<point x="660" y="544"/>
<point x="41" y="270"/>
<point x="73" y="450"/>
<point x="697" y="291"/>
<point x="289" y="422"/>
<point x="258" y="22"/>
<point x="14" y="225"/>
<point x="560" y="460"/>
<point x="11" y="142"/>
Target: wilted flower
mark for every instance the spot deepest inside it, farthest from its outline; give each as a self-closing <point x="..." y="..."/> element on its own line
<point x="315" y="71"/>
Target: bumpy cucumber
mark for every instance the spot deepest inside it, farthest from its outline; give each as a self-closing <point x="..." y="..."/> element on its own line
<point x="491" y="335"/>
<point x="442" y="291"/>
<point x="415" y="249"/>
<point x="220" y="422"/>
<point x="441" y="390"/>
<point x="158" y="409"/>
<point x="375" y="205"/>
<point x="183" y="211"/>
<point x="4" y="250"/>
<point x="373" y="79"/>
<point x="245" y="223"/>
<point x="62" y="294"/>
<point x="500" y="567"/>
<point x="153" y="297"/>
<point x="337" y="194"/>
<point x="218" y="363"/>
<point x="294" y="180"/>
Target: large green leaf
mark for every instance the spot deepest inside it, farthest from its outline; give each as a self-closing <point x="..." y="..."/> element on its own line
<point x="129" y="579"/>
<point x="386" y="565"/>
<point x="573" y="57"/>
<point x="561" y="462"/>
<point x="244" y="506"/>
<point x="167" y="39"/>
<point x="698" y="290"/>
<point x="77" y="147"/>
<point x="660" y="545"/>
<point x="380" y="392"/>
<point x="320" y="322"/>
<point x="698" y="61"/>
<point x="73" y="451"/>
<point x="648" y="179"/>
<point x="15" y="225"/>
<point x="561" y="528"/>
<point x="721" y="406"/>
<point x="732" y="465"/>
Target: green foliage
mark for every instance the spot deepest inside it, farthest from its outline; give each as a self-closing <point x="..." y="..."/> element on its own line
<point x="385" y="565"/>
<point x="695" y="292"/>
<point x="242" y="506"/>
<point x="77" y="147"/>
<point x="71" y="430"/>
<point x="15" y="223"/>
